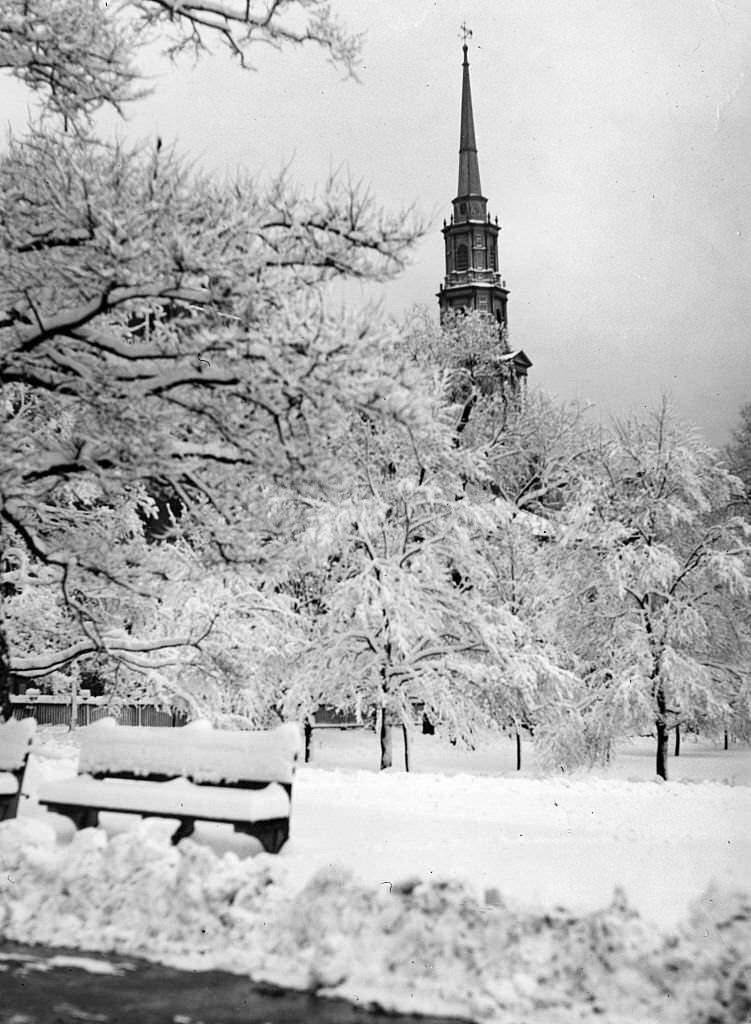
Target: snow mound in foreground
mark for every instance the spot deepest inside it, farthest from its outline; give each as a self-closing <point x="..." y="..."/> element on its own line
<point x="414" y="946"/>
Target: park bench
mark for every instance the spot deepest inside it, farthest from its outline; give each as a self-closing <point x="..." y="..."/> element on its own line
<point x="15" y="744"/>
<point x="193" y="773"/>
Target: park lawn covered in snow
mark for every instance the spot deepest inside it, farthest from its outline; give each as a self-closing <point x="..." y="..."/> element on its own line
<point x="462" y="888"/>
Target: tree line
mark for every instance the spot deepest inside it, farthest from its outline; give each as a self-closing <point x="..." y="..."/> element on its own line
<point x="222" y="489"/>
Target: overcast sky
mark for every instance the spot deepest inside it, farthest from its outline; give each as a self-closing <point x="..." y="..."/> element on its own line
<point x="614" y="142"/>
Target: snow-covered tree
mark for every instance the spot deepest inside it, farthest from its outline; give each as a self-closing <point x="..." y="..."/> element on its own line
<point x="662" y="576"/>
<point x="406" y="617"/>
<point x="537" y="453"/>
<point x="413" y="557"/>
<point x="168" y="352"/>
<point x="738" y="453"/>
<point x="80" y="54"/>
<point x="471" y="355"/>
<point x="533" y="452"/>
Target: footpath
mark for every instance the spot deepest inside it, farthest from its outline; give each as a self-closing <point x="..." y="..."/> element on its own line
<point x="40" y="985"/>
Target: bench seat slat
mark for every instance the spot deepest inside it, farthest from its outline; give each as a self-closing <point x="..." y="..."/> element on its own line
<point x="177" y="798"/>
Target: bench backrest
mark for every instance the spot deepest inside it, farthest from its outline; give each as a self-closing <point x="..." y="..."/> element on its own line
<point x="15" y="743"/>
<point x="195" y="751"/>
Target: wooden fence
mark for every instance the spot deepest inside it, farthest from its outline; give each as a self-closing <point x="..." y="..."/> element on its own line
<point x="48" y="710"/>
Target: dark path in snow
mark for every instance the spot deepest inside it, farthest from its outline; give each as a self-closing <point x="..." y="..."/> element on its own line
<point x="45" y="986"/>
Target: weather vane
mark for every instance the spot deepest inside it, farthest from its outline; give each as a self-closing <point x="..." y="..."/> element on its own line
<point x="466" y="32"/>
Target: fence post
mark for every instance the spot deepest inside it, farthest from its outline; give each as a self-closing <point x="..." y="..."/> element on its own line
<point x="73" y="716"/>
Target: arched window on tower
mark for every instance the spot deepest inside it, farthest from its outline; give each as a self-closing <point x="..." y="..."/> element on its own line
<point x="462" y="257"/>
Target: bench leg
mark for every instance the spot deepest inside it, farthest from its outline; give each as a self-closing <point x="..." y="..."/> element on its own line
<point x="82" y="817"/>
<point x="275" y="841"/>
<point x="272" y="837"/>
<point x="9" y="806"/>
<point x="183" y="830"/>
<point x="89" y="818"/>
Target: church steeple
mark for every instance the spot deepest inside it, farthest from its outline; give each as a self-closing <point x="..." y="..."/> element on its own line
<point x="469" y="168"/>
<point x="473" y="280"/>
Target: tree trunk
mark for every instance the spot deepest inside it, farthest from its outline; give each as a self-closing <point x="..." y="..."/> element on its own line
<point x="386" y="758"/>
<point x="662" y="750"/>
<point x="726" y="739"/>
<point x="518" y="751"/>
<point x="6" y="708"/>
<point x="405" y="733"/>
<point x="677" y="750"/>
<point x="662" y="732"/>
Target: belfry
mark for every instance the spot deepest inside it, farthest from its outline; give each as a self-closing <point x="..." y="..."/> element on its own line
<point x="472" y="280"/>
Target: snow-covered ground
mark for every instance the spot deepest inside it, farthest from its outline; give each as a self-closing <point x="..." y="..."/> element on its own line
<point x="461" y="888"/>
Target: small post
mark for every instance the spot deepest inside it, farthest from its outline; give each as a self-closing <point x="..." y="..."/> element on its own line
<point x="727" y="739"/>
<point x="308" y="732"/>
<point x="518" y="751"/>
<point x="405" y="733"/>
<point x="73" y="719"/>
<point x="677" y="750"/>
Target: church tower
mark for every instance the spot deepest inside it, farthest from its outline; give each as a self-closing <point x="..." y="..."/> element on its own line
<point x="472" y="280"/>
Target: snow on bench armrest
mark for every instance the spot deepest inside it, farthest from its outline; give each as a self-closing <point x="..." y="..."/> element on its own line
<point x="176" y="798"/>
<point x="196" y="751"/>
<point x="15" y="740"/>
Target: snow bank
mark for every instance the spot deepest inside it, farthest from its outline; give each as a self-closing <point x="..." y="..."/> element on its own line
<point x="414" y="946"/>
<point x="425" y="892"/>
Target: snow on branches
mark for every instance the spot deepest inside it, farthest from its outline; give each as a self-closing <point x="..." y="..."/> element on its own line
<point x="219" y="485"/>
<point x="664" y="568"/>
<point x="80" y="55"/>
<point x="168" y="351"/>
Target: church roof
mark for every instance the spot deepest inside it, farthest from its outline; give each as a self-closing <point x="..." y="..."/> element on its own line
<point x="469" y="168"/>
<point x="519" y="358"/>
<point x="522" y="359"/>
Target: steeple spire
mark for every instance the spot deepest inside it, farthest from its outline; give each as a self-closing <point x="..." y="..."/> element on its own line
<point x="469" y="168"/>
<point x="473" y="280"/>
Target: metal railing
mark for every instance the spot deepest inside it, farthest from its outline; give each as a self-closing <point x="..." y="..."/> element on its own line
<point x="471" y="276"/>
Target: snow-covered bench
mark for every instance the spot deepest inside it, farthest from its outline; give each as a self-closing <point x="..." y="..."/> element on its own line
<point x="194" y="773"/>
<point x="15" y="744"/>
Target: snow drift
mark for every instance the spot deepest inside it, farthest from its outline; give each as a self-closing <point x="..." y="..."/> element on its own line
<point x="414" y="946"/>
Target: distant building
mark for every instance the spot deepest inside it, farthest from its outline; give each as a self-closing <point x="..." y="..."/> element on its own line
<point x="473" y="280"/>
